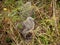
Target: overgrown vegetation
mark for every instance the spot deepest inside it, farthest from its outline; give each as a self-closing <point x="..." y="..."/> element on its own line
<point x="46" y="14"/>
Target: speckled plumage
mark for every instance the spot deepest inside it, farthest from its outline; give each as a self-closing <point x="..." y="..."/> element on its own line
<point x="29" y="26"/>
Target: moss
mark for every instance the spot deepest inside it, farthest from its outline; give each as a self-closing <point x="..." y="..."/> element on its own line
<point x="8" y="40"/>
<point x="20" y="26"/>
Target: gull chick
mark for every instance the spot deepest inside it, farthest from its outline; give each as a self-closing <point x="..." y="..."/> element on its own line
<point x="28" y="26"/>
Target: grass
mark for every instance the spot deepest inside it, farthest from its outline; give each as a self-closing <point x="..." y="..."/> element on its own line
<point x="45" y="32"/>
